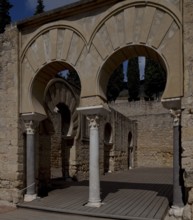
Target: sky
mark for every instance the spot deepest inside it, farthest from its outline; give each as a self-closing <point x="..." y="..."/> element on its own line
<point x="25" y="8"/>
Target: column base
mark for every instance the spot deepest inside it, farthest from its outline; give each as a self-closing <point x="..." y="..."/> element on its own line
<point x="94" y="204"/>
<point x="176" y="211"/>
<point x="29" y="198"/>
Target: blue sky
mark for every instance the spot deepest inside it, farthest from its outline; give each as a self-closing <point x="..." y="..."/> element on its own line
<point x="25" y="8"/>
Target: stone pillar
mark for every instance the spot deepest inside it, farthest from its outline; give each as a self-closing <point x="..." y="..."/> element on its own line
<point x="177" y="178"/>
<point x="31" y="121"/>
<point x="30" y="160"/>
<point x="94" y="181"/>
<point x="93" y="113"/>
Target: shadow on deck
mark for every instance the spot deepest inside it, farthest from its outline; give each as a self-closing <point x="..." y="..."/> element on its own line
<point x="142" y="193"/>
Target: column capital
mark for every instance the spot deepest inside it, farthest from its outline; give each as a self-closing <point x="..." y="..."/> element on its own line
<point x="93" y="121"/>
<point x="30" y="126"/>
<point x="31" y="121"/>
<point x="176" y="114"/>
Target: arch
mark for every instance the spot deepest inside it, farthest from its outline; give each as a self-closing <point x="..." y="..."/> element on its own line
<point x="140" y="28"/>
<point x="144" y="25"/>
<point x="59" y="96"/>
<point x="122" y="6"/>
<point x="126" y="53"/>
<point x="57" y="25"/>
<point x="52" y="49"/>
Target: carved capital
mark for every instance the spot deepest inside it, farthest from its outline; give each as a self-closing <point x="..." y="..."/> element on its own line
<point x="176" y="114"/>
<point x="93" y="121"/>
<point x="30" y="126"/>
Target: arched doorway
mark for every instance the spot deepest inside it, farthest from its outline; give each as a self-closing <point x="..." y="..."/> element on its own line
<point x="107" y="147"/>
<point x="60" y="99"/>
<point x="130" y="151"/>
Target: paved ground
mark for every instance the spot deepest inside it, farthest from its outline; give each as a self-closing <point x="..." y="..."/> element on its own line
<point x="5" y="209"/>
<point x="26" y="214"/>
<point x="138" y="194"/>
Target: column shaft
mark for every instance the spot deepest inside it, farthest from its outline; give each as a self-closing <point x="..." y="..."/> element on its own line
<point x="177" y="188"/>
<point x="177" y="178"/>
<point x="30" y="161"/>
<point x="94" y="180"/>
<point x="94" y="189"/>
<point x="30" y="164"/>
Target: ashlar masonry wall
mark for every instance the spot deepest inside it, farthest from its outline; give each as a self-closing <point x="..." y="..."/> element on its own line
<point x="11" y="155"/>
<point x="187" y="104"/>
<point x="154" y="132"/>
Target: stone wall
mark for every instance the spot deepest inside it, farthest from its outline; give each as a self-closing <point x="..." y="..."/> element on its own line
<point x="11" y="155"/>
<point x="154" y="132"/>
<point x="119" y="153"/>
<point x="187" y="104"/>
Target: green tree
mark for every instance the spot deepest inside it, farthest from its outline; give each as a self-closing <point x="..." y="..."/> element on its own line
<point x="40" y="7"/>
<point x="115" y="84"/>
<point x="155" y="79"/>
<point x="73" y="78"/>
<point x="5" y="18"/>
<point x="133" y="79"/>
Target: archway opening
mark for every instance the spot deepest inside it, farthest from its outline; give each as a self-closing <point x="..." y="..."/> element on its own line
<point x="138" y="97"/>
<point x="56" y="93"/>
<point x="65" y="118"/>
<point x="107" y="147"/>
<point x="130" y="151"/>
<point x="56" y="69"/>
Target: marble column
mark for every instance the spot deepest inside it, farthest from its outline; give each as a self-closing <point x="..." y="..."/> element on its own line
<point x="30" y="160"/>
<point x="93" y="113"/>
<point x="94" y="180"/>
<point x="30" y="121"/>
<point x="177" y="177"/>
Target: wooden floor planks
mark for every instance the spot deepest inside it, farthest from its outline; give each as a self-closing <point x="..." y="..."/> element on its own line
<point x="138" y="194"/>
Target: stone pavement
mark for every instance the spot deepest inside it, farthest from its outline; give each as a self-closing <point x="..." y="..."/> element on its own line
<point x="28" y="214"/>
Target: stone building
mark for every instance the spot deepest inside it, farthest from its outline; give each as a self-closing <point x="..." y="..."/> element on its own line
<point x="92" y="38"/>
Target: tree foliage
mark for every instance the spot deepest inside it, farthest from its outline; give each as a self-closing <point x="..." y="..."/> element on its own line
<point x="40" y="7"/>
<point x="5" y="18"/>
<point x="133" y="79"/>
<point x="73" y="78"/>
<point x="115" y="84"/>
<point x="155" y="79"/>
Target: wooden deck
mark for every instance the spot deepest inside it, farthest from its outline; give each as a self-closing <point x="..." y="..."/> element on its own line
<point x="142" y="193"/>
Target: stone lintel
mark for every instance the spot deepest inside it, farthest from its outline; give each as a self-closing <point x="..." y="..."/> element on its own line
<point x="172" y="103"/>
<point x="94" y="110"/>
<point x="33" y="116"/>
